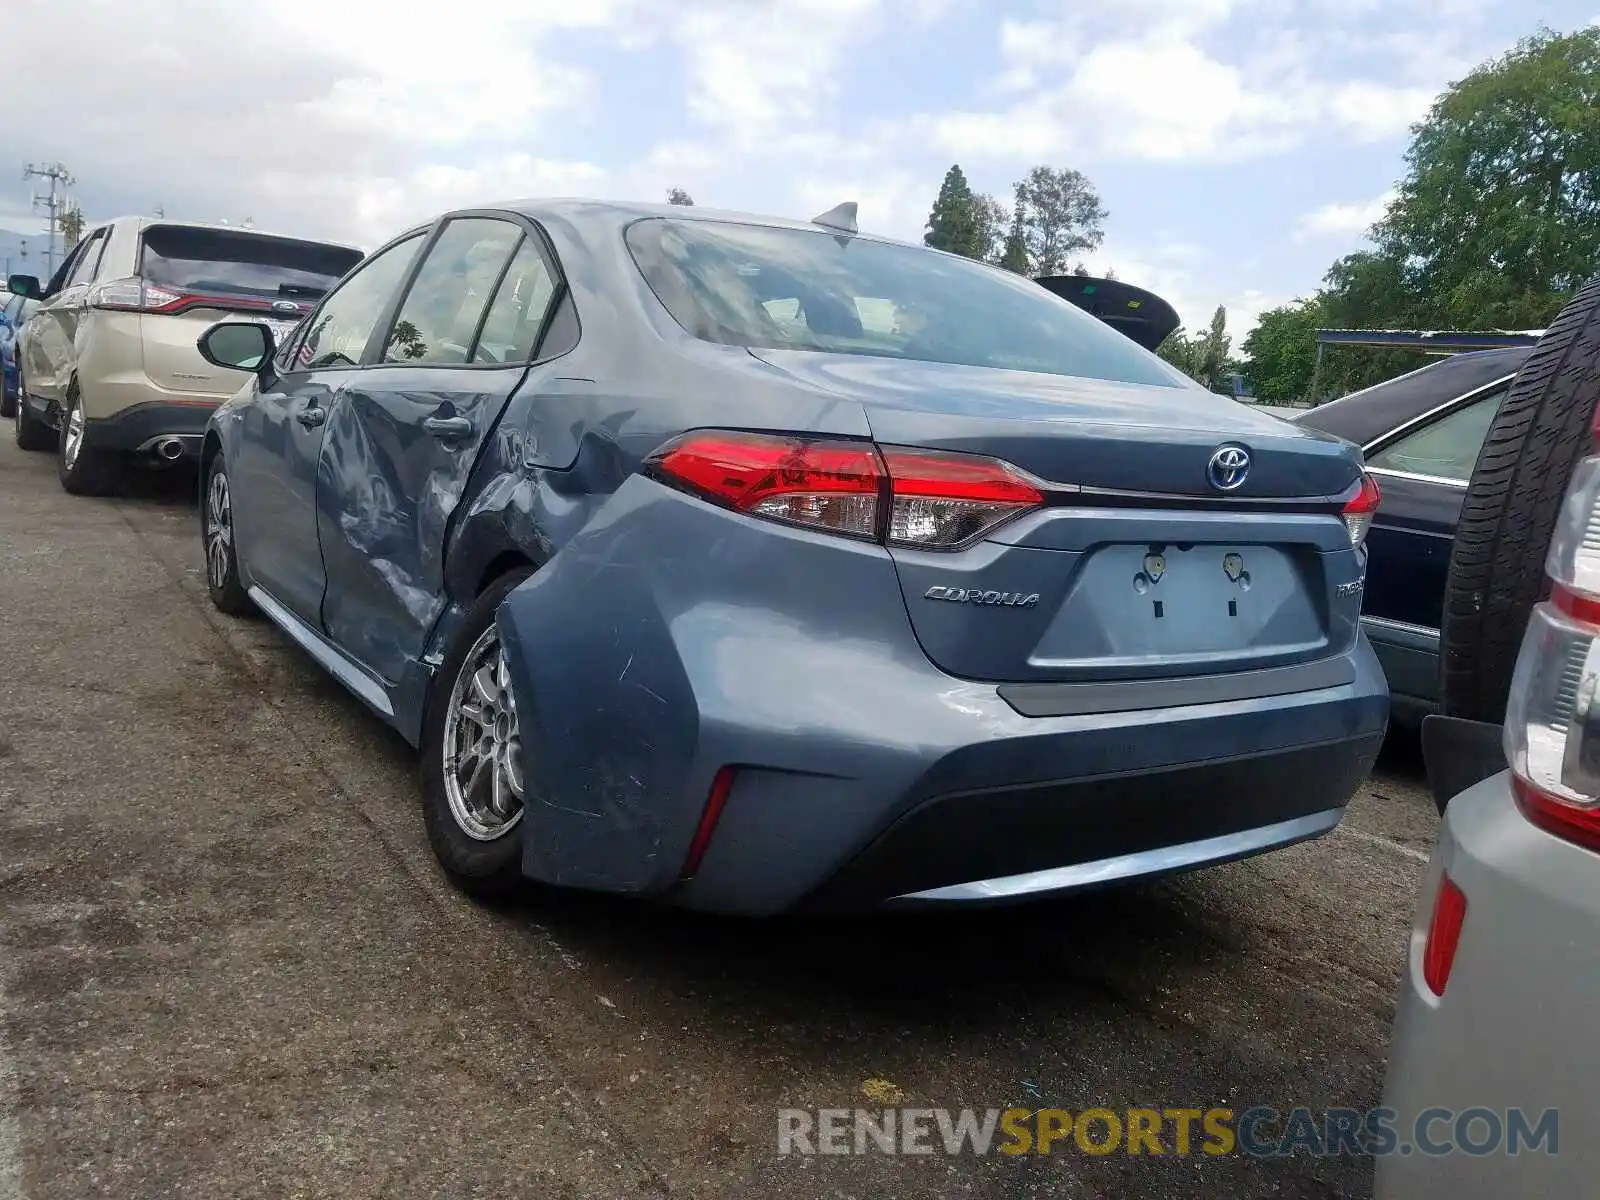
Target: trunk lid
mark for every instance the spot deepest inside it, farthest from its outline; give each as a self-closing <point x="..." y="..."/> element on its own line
<point x="1138" y="566"/>
<point x="1087" y="432"/>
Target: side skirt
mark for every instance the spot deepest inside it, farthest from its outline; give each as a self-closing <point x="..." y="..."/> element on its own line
<point x="336" y="662"/>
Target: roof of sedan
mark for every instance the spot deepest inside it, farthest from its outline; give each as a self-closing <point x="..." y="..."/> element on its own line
<point x="1366" y="415"/>
<point x="580" y="210"/>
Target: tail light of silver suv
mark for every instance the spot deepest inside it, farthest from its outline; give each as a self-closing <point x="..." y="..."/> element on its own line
<point x="1552" y="728"/>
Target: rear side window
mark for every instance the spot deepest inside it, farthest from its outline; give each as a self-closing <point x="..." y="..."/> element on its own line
<point x="439" y="319"/>
<point x="229" y="262"/>
<point x="519" y="308"/>
<point x="84" y="271"/>
<point x="1446" y="448"/>
<point x="800" y="289"/>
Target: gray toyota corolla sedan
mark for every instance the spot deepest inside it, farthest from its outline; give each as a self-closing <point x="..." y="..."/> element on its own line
<point x="757" y="564"/>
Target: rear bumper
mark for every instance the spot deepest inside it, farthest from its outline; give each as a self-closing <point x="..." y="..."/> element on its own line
<point x="648" y="655"/>
<point x="1515" y="1026"/>
<point x="1011" y="843"/>
<point x="144" y="427"/>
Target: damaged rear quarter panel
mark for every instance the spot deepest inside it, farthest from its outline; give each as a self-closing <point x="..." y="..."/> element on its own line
<point x="671" y="638"/>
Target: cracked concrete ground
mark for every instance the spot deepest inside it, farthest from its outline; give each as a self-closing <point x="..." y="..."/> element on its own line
<point x="229" y="966"/>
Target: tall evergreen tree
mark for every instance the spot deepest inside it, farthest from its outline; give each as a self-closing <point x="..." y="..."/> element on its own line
<point x="1015" y="255"/>
<point x="957" y="222"/>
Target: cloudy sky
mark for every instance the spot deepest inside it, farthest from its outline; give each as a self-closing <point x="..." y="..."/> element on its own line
<point x="1240" y="145"/>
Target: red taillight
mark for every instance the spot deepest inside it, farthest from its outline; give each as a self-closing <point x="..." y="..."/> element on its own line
<point x="1359" y="511"/>
<point x="919" y="498"/>
<point x="716" y="801"/>
<point x="942" y="501"/>
<point x="829" y="485"/>
<point x="140" y="295"/>
<point x="1444" y="934"/>
<point x="1552" y="726"/>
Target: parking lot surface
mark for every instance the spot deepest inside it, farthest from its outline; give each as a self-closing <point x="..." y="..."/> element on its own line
<point x="229" y="966"/>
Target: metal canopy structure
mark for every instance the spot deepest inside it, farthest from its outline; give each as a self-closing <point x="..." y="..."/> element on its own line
<point x="1429" y="341"/>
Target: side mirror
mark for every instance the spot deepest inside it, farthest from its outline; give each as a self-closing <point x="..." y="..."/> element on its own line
<point x="26" y="286"/>
<point x="237" y="345"/>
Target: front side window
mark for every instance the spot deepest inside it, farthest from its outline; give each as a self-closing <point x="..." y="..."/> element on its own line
<point x="799" y="289"/>
<point x="1446" y="448"/>
<point x="67" y="267"/>
<point x="339" y="331"/>
<point x="439" y="319"/>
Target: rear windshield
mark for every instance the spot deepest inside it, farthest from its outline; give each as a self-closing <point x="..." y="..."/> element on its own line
<point x="237" y="263"/>
<point x="795" y="289"/>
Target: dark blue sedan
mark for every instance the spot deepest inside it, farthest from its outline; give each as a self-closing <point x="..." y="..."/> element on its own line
<point x="14" y="313"/>
<point x="753" y="564"/>
<point x="1421" y="434"/>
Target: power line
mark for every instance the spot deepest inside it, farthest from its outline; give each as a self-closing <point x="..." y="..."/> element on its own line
<point x="52" y="201"/>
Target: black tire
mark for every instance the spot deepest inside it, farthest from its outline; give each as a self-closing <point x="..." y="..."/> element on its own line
<point x="222" y="559"/>
<point x="88" y="472"/>
<point x="32" y="433"/>
<point x="1497" y="560"/>
<point x="482" y="868"/>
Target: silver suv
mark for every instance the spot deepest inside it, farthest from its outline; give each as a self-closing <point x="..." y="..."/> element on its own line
<point x="109" y="364"/>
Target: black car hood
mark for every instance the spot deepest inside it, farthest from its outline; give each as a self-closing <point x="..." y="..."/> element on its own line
<point x="1143" y="316"/>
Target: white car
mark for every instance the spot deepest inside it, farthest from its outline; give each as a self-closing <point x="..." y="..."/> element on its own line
<point x="110" y="366"/>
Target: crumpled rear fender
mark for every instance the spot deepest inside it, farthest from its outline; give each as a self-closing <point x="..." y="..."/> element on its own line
<point x="671" y="638"/>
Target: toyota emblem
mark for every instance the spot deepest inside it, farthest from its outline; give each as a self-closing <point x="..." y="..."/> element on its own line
<point x="1228" y="468"/>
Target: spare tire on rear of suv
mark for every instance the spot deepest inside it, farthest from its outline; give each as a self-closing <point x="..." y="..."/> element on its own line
<point x="1497" y="560"/>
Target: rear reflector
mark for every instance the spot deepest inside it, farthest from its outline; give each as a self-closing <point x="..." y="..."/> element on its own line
<point x="716" y="801"/>
<point x="923" y="499"/>
<point x="1358" y="512"/>
<point x="1444" y="933"/>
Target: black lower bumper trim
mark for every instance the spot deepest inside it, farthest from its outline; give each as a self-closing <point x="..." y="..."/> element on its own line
<point x="968" y="836"/>
<point x="139" y="427"/>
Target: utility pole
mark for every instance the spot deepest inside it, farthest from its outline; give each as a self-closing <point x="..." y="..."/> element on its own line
<point x="58" y="177"/>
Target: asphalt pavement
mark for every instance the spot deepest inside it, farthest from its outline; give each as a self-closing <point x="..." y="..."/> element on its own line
<point x="230" y="967"/>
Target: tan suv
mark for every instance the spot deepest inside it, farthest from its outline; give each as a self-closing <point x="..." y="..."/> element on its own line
<point x="110" y="370"/>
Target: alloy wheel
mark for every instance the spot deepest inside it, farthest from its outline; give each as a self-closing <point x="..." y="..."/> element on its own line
<point x="219" y="530"/>
<point x="483" y="777"/>
<point x="74" y="442"/>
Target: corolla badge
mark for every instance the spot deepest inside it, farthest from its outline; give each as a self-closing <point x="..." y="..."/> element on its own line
<point x="980" y="596"/>
<point x="1228" y="467"/>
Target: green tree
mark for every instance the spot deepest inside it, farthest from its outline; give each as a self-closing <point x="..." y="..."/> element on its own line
<point x="1281" y="352"/>
<point x="994" y="223"/>
<point x="1014" y="254"/>
<point x="1204" y="355"/>
<point x="676" y="195"/>
<point x="1497" y="221"/>
<point x="70" y="224"/>
<point x="1061" y="216"/>
<point x="959" y="221"/>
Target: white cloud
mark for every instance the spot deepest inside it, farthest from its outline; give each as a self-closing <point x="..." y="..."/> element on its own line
<point x="756" y="67"/>
<point x="1343" y="220"/>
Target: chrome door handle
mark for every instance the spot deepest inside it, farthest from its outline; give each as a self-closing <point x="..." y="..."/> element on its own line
<point x="448" y="428"/>
<point x="311" y="417"/>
